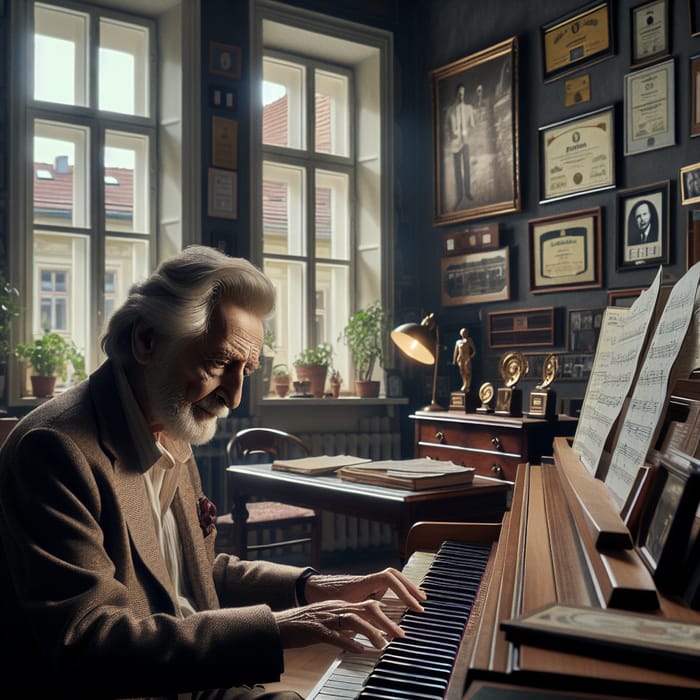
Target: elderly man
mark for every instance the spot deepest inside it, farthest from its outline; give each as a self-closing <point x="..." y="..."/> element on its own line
<point x="108" y="581"/>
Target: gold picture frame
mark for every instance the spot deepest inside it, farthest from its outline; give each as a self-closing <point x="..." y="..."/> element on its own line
<point x="476" y="175"/>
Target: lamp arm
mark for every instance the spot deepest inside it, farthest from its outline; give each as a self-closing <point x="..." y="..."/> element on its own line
<point x="435" y="365"/>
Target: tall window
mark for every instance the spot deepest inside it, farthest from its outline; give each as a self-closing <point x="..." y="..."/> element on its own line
<point x="322" y="173"/>
<point x="92" y="129"/>
<point x="308" y="179"/>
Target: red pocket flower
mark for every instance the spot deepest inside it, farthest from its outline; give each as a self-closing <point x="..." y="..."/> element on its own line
<point x="207" y="515"/>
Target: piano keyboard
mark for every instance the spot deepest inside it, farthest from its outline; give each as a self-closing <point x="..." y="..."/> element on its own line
<point x="417" y="666"/>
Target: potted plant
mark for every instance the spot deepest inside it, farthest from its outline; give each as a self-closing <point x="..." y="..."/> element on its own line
<point x="50" y="356"/>
<point x="364" y="335"/>
<point x="281" y="379"/>
<point x="312" y="365"/>
<point x="9" y="309"/>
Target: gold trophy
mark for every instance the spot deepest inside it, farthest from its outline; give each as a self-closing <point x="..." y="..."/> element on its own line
<point x="542" y="400"/>
<point x="512" y="368"/>
<point x="485" y="394"/>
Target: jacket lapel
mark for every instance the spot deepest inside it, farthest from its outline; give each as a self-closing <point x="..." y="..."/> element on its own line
<point x="129" y="480"/>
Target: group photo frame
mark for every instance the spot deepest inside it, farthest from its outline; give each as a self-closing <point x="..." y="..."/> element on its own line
<point x="476" y="174"/>
<point x="476" y="278"/>
<point x="577" y="155"/>
<point x="565" y="252"/>
<point x="643" y="225"/>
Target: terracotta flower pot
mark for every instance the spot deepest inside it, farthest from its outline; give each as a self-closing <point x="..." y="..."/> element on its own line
<point x="316" y="375"/>
<point x="42" y="387"/>
<point x="367" y="389"/>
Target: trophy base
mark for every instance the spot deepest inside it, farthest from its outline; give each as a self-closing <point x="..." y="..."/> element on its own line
<point x="543" y="404"/>
<point x="458" y="401"/>
<point x="509" y="402"/>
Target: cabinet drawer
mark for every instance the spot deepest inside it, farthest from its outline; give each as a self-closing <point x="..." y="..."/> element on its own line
<point x="477" y="437"/>
<point x="490" y="463"/>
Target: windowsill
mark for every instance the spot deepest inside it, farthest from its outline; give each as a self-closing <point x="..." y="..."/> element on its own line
<point x="342" y="401"/>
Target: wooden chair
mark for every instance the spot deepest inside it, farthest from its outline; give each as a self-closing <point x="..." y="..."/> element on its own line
<point x="268" y="518"/>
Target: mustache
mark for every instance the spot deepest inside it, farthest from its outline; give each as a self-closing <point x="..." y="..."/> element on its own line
<point x="214" y="404"/>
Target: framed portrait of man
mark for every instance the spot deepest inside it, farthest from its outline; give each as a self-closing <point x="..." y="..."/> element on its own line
<point x="643" y="226"/>
<point x="475" y="135"/>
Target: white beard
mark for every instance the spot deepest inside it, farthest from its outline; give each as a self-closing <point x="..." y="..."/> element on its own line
<point x="194" y="423"/>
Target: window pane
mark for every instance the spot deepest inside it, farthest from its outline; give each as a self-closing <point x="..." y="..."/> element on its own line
<point x="124" y="75"/>
<point x="126" y="182"/>
<point x="60" y="55"/>
<point x="62" y="287"/>
<point x="290" y="280"/>
<point x="332" y="215"/>
<point x="284" y="111"/>
<point x="332" y="310"/>
<point x="283" y="209"/>
<point x="61" y="174"/>
<point x="332" y="122"/>
<point x="126" y="262"/>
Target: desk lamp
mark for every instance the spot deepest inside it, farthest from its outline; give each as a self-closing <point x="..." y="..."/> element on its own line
<point x="421" y="342"/>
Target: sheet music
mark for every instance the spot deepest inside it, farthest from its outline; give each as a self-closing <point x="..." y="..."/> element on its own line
<point x="649" y="397"/>
<point x="617" y="356"/>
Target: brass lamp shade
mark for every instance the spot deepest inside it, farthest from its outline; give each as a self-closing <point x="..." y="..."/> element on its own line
<point x="421" y="342"/>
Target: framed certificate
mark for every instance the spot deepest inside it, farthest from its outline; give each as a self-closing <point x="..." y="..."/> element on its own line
<point x="576" y="39"/>
<point x="577" y="155"/>
<point x="649" y="32"/>
<point x="643" y="216"/>
<point x="650" y="108"/>
<point x="695" y="95"/>
<point x="565" y="252"/>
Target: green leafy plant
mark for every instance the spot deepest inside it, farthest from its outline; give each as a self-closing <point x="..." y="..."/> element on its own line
<point x="9" y="309"/>
<point x="280" y="371"/>
<point x="365" y="334"/>
<point x="322" y="354"/>
<point x="269" y="342"/>
<point x="51" y="354"/>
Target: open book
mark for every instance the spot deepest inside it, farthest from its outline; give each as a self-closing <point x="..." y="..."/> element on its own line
<point x="413" y="474"/>
<point x="322" y="464"/>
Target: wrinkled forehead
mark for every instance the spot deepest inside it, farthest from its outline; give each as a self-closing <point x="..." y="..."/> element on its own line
<point x="238" y="330"/>
<point x="245" y="344"/>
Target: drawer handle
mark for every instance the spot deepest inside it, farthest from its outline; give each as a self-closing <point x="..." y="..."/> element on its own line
<point x="440" y="437"/>
<point x="496" y="442"/>
<point x="497" y="470"/>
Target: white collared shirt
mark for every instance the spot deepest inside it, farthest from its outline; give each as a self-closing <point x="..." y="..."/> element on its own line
<point x="161" y="478"/>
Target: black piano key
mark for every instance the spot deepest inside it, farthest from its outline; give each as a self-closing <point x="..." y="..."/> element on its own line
<point x="405" y="683"/>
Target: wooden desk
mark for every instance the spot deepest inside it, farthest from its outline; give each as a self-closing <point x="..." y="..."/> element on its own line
<point x="483" y="501"/>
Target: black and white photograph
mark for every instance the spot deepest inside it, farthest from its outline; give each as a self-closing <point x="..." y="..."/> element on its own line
<point x="584" y="329"/>
<point x="643" y="225"/>
<point x="690" y="184"/>
<point x="475" y="135"/>
<point x="476" y="278"/>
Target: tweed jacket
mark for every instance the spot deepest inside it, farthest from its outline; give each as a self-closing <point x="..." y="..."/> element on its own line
<point x="86" y="602"/>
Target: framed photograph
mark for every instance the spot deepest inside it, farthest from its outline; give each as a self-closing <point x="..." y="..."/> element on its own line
<point x="694" y="17"/>
<point x="690" y="184"/>
<point x="565" y="252"/>
<point x="471" y="238"/>
<point x="584" y="329"/>
<point x="665" y="530"/>
<point x="474" y="98"/>
<point x="643" y="224"/>
<point x="225" y="60"/>
<point x="577" y="155"/>
<point x="223" y="198"/>
<point x="224" y="143"/>
<point x="476" y="278"/>
<point x="577" y="39"/>
<point x="650" y="114"/>
<point x="692" y="249"/>
<point x="695" y="95"/>
<point x="649" y="32"/>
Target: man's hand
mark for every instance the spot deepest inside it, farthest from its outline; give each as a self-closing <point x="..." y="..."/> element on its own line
<point x="336" y="622"/>
<point x="371" y="586"/>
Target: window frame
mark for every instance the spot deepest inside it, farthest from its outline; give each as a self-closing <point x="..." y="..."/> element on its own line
<point x="368" y="51"/>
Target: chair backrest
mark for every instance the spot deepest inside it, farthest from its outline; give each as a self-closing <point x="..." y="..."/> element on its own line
<point x="256" y="442"/>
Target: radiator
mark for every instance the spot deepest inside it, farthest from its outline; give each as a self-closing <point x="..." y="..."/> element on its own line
<point x="377" y="438"/>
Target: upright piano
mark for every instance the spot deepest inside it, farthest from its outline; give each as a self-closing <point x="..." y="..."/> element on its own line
<point x="544" y="551"/>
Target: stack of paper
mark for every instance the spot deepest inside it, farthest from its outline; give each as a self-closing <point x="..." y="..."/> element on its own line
<point x="413" y="474"/>
<point x="323" y="464"/>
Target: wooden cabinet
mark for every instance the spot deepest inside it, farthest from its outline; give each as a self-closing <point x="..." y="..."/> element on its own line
<point x="495" y="445"/>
